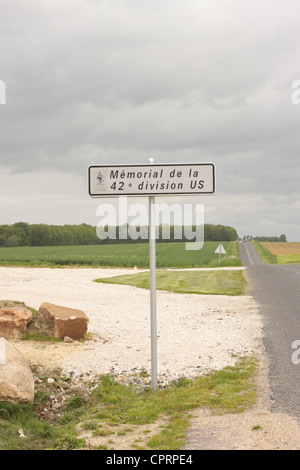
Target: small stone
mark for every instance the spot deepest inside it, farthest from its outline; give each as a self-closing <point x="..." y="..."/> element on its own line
<point x="21" y="433"/>
<point x="67" y="339"/>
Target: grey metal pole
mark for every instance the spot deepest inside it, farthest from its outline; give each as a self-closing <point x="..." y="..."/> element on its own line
<point x="152" y="248"/>
<point x="220" y="255"/>
<point x="153" y="291"/>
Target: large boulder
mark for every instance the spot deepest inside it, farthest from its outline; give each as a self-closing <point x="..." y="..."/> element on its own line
<point x="65" y="321"/>
<point x="16" y="380"/>
<point x="13" y="321"/>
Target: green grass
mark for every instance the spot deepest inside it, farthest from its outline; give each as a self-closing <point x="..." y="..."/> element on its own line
<point x="232" y="389"/>
<point x="109" y="405"/>
<point x="120" y="255"/>
<point x="188" y="282"/>
<point x="40" y="337"/>
<point x="265" y="255"/>
<point x="14" y="417"/>
<point x="288" y="259"/>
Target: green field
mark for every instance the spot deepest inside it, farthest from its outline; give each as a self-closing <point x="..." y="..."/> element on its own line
<point x="288" y="259"/>
<point x="278" y="253"/>
<point x="120" y="255"/>
<point x="187" y="282"/>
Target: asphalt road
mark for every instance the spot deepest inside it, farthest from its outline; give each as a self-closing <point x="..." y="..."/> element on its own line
<point x="276" y="289"/>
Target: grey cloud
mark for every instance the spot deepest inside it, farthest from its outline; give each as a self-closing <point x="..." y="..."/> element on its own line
<point x="111" y="81"/>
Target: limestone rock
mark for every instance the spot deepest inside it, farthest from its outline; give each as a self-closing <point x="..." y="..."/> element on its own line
<point x="67" y="339"/>
<point x="16" y="379"/>
<point x="13" y="321"/>
<point x="65" y="321"/>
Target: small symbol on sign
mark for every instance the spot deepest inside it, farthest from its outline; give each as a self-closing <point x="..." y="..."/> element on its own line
<point x="100" y="177"/>
<point x="130" y="185"/>
<point x="100" y="182"/>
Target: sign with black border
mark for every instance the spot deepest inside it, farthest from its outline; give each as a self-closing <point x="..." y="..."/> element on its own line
<point x="167" y="179"/>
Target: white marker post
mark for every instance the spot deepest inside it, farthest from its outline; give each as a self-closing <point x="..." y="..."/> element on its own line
<point x="152" y="253"/>
<point x="220" y="250"/>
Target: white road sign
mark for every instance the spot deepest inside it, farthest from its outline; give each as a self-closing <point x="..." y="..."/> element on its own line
<point x="220" y="249"/>
<point x="151" y="180"/>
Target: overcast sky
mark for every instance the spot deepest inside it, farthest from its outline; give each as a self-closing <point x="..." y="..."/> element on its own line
<point x="119" y="81"/>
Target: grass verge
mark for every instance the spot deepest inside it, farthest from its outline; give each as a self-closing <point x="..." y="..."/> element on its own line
<point x="265" y="255"/>
<point x="187" y="282"/>
<point x="52" y="421"/>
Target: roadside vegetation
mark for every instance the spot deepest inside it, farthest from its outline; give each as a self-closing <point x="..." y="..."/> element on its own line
<point x="67" y="416"/>
<point x="265" y="255"/>
<point x="187" y="282"/>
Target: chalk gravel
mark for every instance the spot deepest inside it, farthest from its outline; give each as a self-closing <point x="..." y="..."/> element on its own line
<point x="195" y="333"/>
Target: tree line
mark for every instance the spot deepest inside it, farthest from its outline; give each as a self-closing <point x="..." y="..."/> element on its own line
<point x="24" y="234"/>
<point x="281" y="238"/>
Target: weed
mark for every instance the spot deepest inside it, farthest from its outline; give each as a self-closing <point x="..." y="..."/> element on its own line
<point x="40" y="337"/>
<point x="256" y="428"/>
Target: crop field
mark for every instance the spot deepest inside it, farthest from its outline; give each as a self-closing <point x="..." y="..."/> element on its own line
<point x="285" y="252"/>
<point x="120" y="255"/>
<point x="283" y="248"/>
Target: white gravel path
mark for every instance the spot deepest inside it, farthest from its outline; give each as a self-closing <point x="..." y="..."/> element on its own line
<point x="196" y="333"/>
